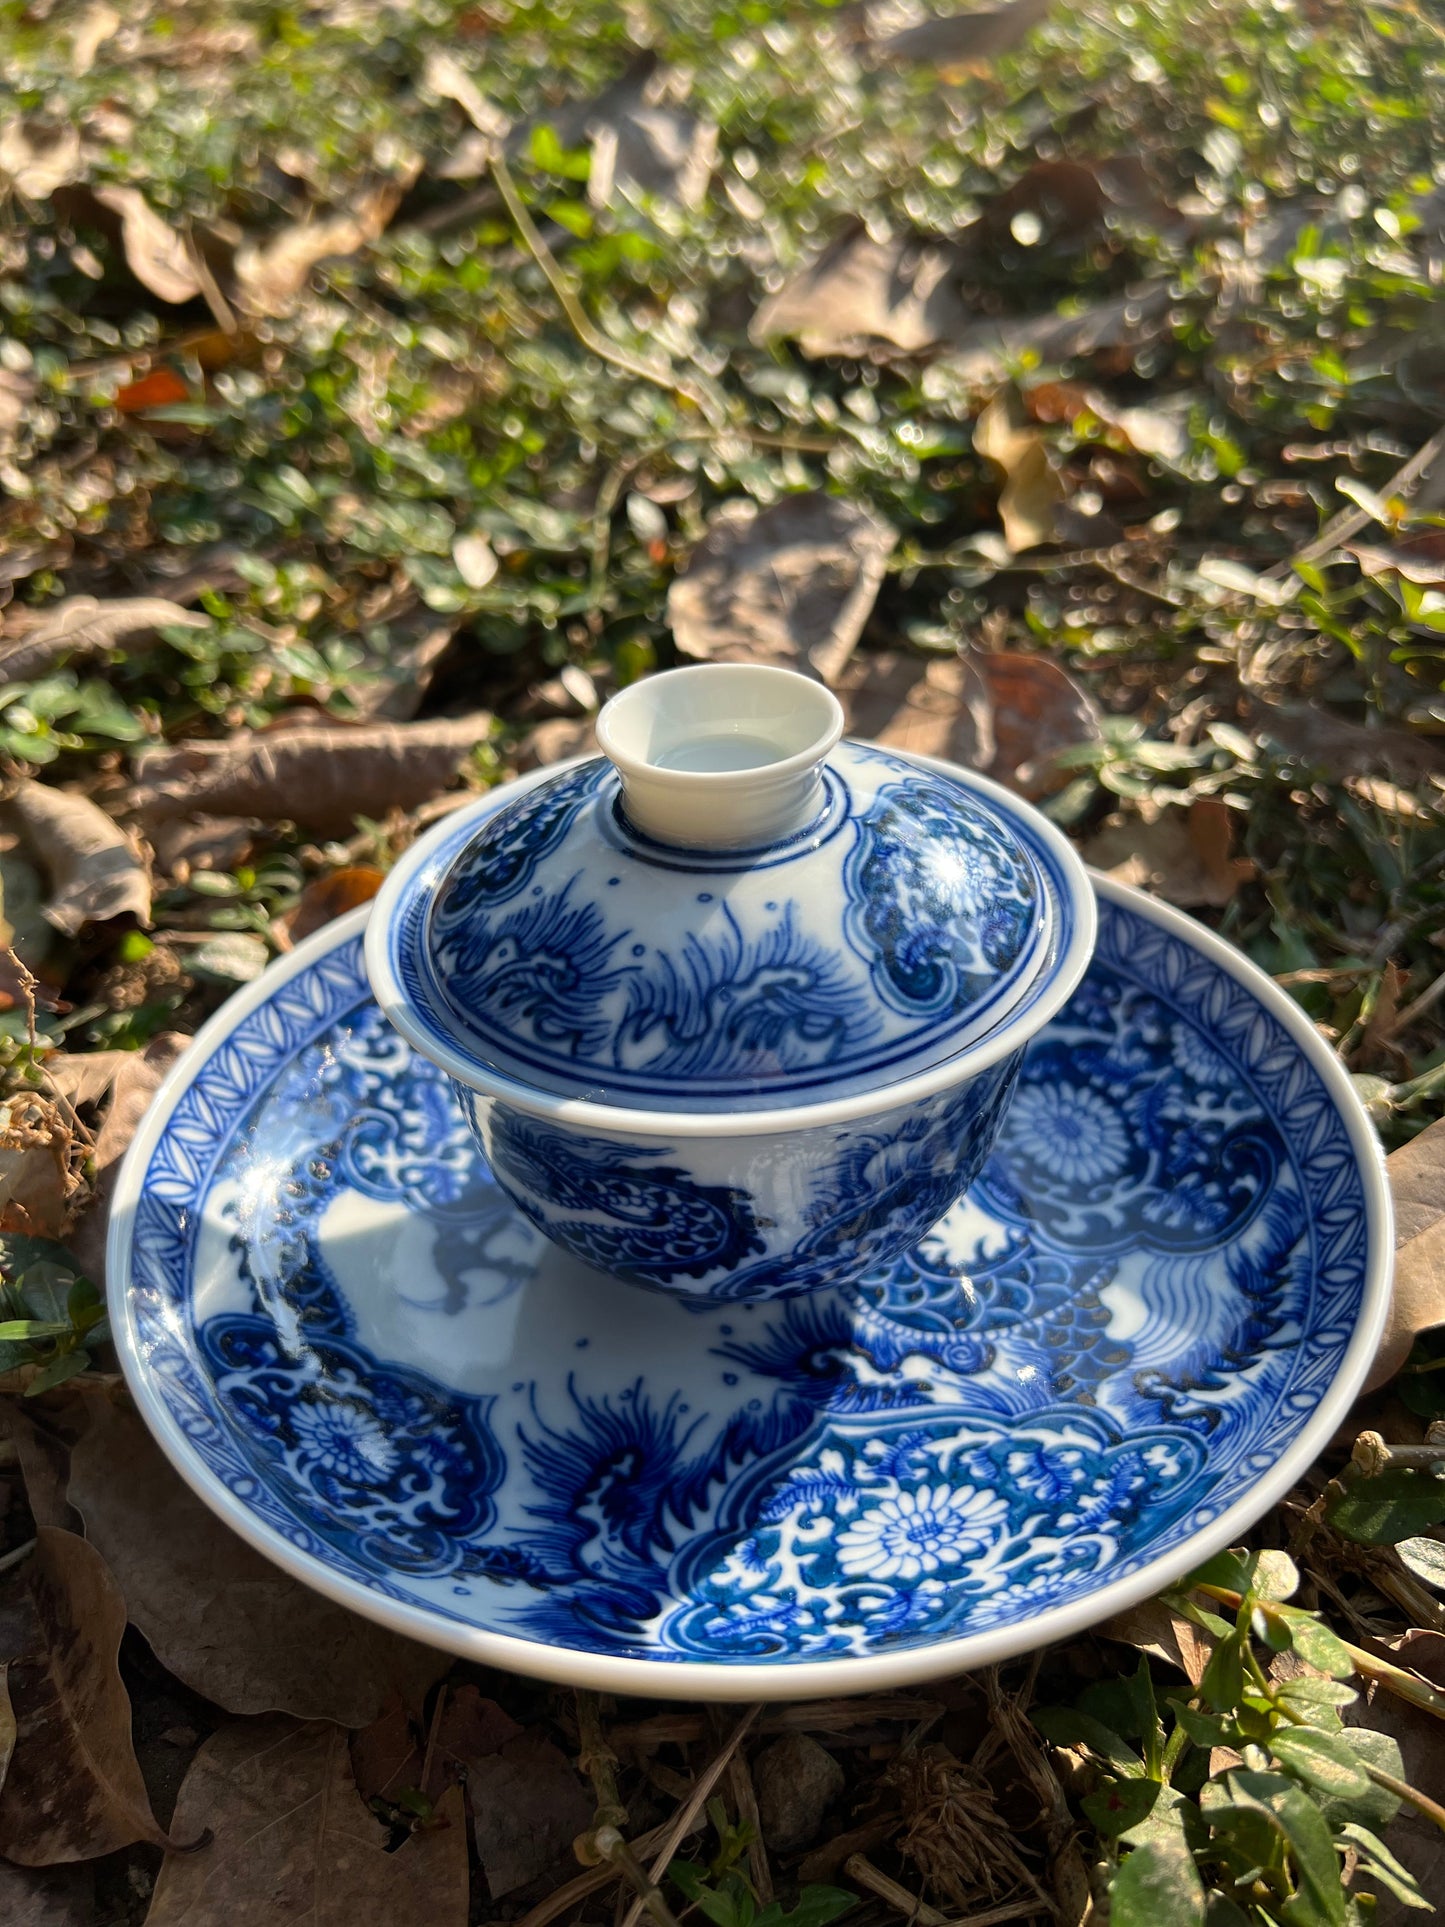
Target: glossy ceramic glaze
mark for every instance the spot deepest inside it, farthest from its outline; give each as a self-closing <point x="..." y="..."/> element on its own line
<point x="1138" y="1328"/>
<point x="731" y="1072"/>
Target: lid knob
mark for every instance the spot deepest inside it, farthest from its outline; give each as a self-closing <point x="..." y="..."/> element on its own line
<point x="723" y="756"/>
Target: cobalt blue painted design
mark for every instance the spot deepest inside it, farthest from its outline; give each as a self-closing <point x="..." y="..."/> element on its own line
<point x="615" y="1206"/>
<point x="554" y="945"/>
<point x="1110" y="1340"/>
<point x="939" y="902"/>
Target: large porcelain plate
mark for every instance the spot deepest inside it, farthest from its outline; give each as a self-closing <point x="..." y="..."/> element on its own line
<point x="1133" y="1334"/>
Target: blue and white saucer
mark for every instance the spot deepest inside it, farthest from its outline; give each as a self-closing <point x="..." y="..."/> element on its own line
<point x="1133" y="1334"/>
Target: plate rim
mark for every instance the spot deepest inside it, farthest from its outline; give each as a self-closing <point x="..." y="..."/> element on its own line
<point x="658" y="1678"/>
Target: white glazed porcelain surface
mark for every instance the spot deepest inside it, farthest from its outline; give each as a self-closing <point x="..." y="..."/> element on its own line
<point x="1139" y="1329"/>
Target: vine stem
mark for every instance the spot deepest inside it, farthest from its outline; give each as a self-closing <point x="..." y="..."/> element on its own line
<point x="660" y="374"/>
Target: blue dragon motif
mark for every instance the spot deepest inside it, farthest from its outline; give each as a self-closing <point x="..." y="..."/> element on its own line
<point x="503" y="857"/>
<point x="605" y="1201"/>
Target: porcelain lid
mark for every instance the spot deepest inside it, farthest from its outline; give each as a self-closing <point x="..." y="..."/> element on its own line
<point x="735" y="911"/>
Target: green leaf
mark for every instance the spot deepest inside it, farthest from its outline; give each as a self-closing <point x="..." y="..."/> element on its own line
<point x="29" y="1330"/>
<point x="1315" y="1643"/>
<point x="1379" y="1864"/>
<point x="1322" y="1760"/>
<point x="816" y="1907"/>
<point x="1425" y="1558"/>
<point x="1254" y="1806"/>
<point x="1377" y="1806"/>
<point x="1157" y="1885"/>
<point x="68" y="1365"/>
<point x="1120" y="1805"/>
<point x="1400" y="1504"/>
<point x="1309" y="1695"/>
<point x="1067" y="1726"/>
<point x="1223" y="1680"/>
<point x="1205" y="1729"/>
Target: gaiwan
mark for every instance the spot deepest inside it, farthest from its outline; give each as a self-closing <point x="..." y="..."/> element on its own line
<point x="734" y="1009"/>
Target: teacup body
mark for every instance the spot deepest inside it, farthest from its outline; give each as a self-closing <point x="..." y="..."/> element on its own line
<point x="739" y="1218"/>
<point x="735" y="1012"/>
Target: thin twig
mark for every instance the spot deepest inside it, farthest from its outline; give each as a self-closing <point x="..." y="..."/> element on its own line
<point x="599" y="1763"/>
<point x="582" y="1886"/>
<point x="687" y="1817"/>
<point x="661" y="374"/>
<point x="1427" y="1000"/>
<point x="861" y="1870"/>
<point x="745" y="1802"/>
<point x="1350" y="521"/>
<point x="431" y="1739"/>
<point x="16" y="1554"/>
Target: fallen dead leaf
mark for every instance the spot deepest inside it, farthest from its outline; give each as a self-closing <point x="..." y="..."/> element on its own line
<point x="227" y="1622"/>
<point x="94" y="870"/>
<point x="792" y="584"/>
<point x="446" y="77"/>
<point x="292" y="1841"/>
<point x="38" y="155"/>
<point x="1417" y="1304"/>
<point x="1038" y="711"/>
<point x="528" y="1806"/>
<point x="1183" y="855"/>
<point x="47" y="1896"/>
<point x="1340" y="748"/>
<point x="161" y="388"/>
<point x="1419" y="558"/>
<point x="1153" y="1629"/>
<point x="389" y="1757"/>
<point x="74" y="1790"/>
<point x="157" y="256"/>
<point x="963" y="43"/>
<point x="1033" y="488"/>
<point x="185" y="844"/>
<point x="36" y="1181"/>
<point x="555" y="741"/>
<point x="84" y="626"/>
<point x="94" y="27"/>
<point x="329" y="897"/>
<point x="270" y="274"/>
<point x="84" y="1077"/>
<point x="859" y="291"/>
<point x="927" y="706"/>
<point x="322" y="778"/>
<point x="1415" y="1839"/>
<point x="661" y="152"/>
<point x="134" y="1085"/>
<point x="44" y="1458"/>
<point x="990" y="350"/>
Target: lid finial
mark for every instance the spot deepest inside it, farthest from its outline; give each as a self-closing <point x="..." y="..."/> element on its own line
<point x="721" y="756"/>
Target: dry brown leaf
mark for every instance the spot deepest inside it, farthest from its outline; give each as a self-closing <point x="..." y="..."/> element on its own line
<point x="1153" y="1629"/>
<point x="94" y="870"/>
<point x="446" y="77"/>
<point x="1033" y="487"/>
<point x="293" y="1842"/>
<point x="94" y="27"/>
<point x="270" y="274"/>
<point x="394" y="1754"/>
<point x="1340" y="748"/>
<point x="35" y="1176"/>
<point x="1417" y="1304"/>
<point x="224" y="1620"/>
<point x="158" y="257"/>
<point x="927" y="706"/>
<point x="962" y="43"/>
<point x="860" y="290"/>
<point x="528" y="1806"/>
<point x="988" y="350"/>
<point x="85" y="1077"/>
<point x="326" y="898"/>
<point x="84" y="626"/>
<point x="74" y="1790"/>
<point x="39" y="155"/>
<point x="1038" y="710"/>
<point x="44" y="1458"/>
<point x="322" y="778"/>
<point x="134" y="1085"/>
<point x="47" y="1896"/>
<point x="555" y="742"/>
<point x="1182" y="855"/>
<point x="792" y="584"/>
<point x="662" y="152"/>
<point x="185" y="844"/>
<point x="1419" y="558"/>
